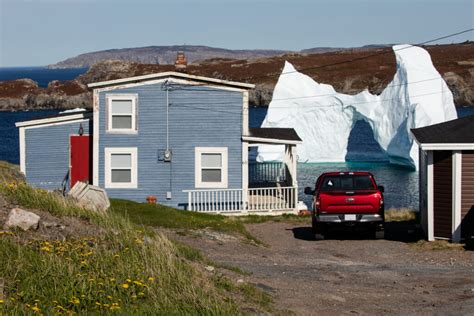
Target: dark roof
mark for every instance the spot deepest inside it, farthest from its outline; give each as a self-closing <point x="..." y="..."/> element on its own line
<point x="458" y="131"/>
<point x="275" y="133"/>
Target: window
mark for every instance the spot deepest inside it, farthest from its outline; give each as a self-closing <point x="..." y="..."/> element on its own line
<point x="122" y="109"/>
<point x="121" y="167"/>
<point x="347" y="183"/>
<point x="211" y="167"/>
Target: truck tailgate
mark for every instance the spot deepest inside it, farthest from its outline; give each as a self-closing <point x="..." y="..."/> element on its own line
<point x="350" y="202"/>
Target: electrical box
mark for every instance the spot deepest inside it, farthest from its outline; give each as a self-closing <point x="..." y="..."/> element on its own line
<point x="167" y="155"/>
<point x="168" y="195"/>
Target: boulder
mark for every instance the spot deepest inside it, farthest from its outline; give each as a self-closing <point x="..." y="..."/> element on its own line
<point x="18" y="218"/>
<point x="90" y="196"/>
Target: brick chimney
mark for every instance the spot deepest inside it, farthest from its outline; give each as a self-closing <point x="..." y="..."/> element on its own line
<point x="181" y="62"/>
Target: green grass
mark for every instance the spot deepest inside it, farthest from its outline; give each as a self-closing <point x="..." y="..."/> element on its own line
<point x="163" y="216"/>
<point x="123" y="270"/>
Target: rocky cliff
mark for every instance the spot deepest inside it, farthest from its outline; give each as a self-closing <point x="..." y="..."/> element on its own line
<point x="162" y="55"/>
<point x="348" y="71"/>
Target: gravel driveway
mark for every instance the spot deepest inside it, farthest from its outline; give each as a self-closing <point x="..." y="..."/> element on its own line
<point x="348" y="274"/>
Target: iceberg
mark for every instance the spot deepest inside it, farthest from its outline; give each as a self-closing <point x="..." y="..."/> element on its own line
<point x="416" y="97"/>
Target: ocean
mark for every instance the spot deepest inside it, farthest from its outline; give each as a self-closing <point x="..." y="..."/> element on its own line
<point x="41" y="75"/>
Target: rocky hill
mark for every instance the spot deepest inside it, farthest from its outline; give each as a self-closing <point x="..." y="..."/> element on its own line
<point x="349" y="71"/>
<point x="162" y="55"/>
<point x="166" y="55"/>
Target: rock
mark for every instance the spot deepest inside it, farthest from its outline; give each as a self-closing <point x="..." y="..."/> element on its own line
<point x="210" y="268"/>
<point x="240" y="281"/>
<point x="90" y="196"/>
<point x="18" y="218"/>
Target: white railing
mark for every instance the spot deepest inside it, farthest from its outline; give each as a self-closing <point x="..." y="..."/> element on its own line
<point x="243" y="201"/>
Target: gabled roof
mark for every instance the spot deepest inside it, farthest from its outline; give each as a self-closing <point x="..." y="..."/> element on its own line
<point x="171" y="74"/>
<point x="273" y="135"/>
<point x="458" y="133"/>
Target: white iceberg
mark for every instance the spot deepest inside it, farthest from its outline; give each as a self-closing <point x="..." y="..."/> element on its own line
<point x="416" y="97"/>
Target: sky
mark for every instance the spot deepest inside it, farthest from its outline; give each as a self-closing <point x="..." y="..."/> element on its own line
<point x="42" y="32"/>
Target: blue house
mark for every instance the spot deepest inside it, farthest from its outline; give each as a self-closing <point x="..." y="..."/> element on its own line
<point x="181" y="138"/>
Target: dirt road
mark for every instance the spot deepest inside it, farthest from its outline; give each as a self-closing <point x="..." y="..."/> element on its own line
<point x="349" y="274"/>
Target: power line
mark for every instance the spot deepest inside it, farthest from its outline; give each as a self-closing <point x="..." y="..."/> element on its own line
<point x="368" y="56"/>
<point x="192" y="105"/>
<point x="354" y="59"/>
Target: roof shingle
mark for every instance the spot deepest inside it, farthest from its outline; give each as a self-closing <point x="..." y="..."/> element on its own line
<point x="458" y="131"/>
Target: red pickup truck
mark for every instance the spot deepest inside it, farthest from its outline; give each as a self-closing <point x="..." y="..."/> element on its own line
<point x="347" y="198"/>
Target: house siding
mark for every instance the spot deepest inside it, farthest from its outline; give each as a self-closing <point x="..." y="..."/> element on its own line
<point x="467" y="194"/>
<point x="443" y="193"/>
<point x="198" y="117"/>
<point x="47" y="153"/>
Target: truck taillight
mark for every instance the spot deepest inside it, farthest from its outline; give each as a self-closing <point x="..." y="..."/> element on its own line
<point x="381" y="201"/>
<point x="317" y="203"/>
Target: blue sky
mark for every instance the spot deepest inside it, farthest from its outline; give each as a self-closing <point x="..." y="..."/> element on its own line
<point x="41" y="32"/>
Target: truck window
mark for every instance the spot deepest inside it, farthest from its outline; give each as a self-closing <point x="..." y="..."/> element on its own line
<point x="347" y="183"/>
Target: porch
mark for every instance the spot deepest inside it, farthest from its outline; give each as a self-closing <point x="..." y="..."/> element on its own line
<point x="268" y="188"/>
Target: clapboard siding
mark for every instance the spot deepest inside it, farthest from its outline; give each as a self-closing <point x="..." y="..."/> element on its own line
<point x="198" y="117"/>
<point x="47" y="153"/>
<point x="467" y="194"/>
<point x="443" y="188"/>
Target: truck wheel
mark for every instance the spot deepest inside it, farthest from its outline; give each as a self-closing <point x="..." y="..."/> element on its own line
<point x="317" y="231"/>
<point x="380" y="235"/>
<point x="377" y="233"/>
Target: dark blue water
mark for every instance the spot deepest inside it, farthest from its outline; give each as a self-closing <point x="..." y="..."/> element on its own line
<point x="41" y="75"/>
<point x="401" y="184"/>
<point x="9" y="136"/>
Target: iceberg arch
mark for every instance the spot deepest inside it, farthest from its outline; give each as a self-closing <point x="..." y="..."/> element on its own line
<point x="417" y="96"/>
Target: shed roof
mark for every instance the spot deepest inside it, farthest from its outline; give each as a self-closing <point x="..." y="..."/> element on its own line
<point x="172" y="74"/>
<point x="458" y="131"/>
<point x="273" y="135"/>
<point x="61" y="117"/>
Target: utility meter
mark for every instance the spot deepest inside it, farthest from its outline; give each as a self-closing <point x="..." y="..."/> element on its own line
<point x="167" y="155"/>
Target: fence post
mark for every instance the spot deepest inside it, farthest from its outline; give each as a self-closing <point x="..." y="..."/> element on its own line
<point x="190" y="205"/>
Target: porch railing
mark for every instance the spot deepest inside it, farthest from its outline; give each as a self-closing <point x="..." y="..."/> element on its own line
<point x="266" y="172"/>
<point x="249" y="201"/>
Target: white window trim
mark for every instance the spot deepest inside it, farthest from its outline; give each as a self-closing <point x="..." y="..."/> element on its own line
<point x="132" y="97"/>
<point x="197" y="163"/>
<point x="108" y="174"/>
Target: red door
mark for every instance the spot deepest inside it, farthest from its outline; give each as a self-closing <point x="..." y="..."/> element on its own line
<point x="80" y="159"/>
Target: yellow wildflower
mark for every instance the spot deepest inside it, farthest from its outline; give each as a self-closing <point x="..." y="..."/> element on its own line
<point x="74" y="300"/>
<point x="1" y="302"/>
<point x="125" y="285"/>
<point x="128" y="280"/>
<point x="151" y="279"/>
<point x="35" y="308"/>
<point x="138" y="283"/>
